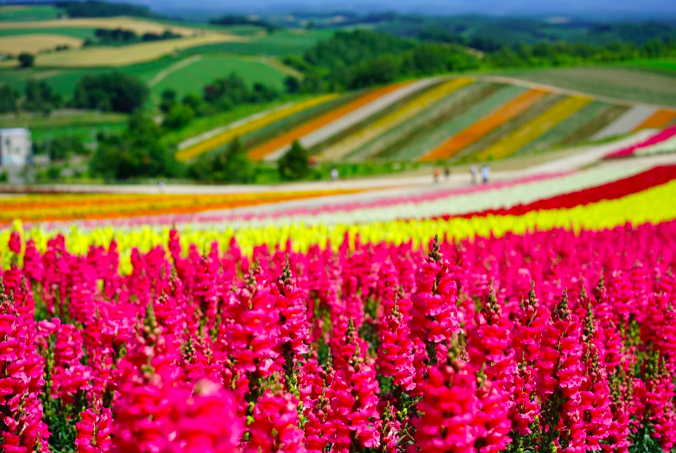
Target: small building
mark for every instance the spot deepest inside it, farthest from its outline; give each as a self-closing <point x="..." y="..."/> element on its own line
<point x="15" y="147"/>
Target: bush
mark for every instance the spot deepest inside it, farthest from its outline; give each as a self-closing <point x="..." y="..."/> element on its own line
<point x="61" y="148"/>
<point x="136" y="153"/>
<point x="179" y="116"/>
<point x="231" y="166"/>
<point x="295" y="164"/>
<point x="26" y="60"/>
<point x="9" y="99"/>
<point x="112" y="91"/>
<point x="40" y="97"/>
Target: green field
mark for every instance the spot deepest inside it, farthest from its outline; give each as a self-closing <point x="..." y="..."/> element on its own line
<point x="627" y="83"/>
<point x="666" y="64"/>
<point x="82" y="33"/>
<point x="192" y="78"/>
<point x="279" y="44"/>
<point x="67" y="123"/>
<point x="29" y="13"/>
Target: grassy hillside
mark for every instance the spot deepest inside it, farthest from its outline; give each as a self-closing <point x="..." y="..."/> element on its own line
<point x="190" y="78"/>
<point x="29" y="13"/>
<point x="631" y="83"/>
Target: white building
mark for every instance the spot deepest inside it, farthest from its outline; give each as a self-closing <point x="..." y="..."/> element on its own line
<point x="15" y="147"/>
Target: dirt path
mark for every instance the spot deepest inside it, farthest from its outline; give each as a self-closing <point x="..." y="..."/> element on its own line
<point x="160" y="76"/>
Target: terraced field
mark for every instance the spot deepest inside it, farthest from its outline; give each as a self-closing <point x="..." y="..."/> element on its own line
<point x="446" y="119"/>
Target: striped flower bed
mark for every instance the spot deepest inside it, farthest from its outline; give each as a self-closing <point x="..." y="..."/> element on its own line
<point x="656" y="139"/>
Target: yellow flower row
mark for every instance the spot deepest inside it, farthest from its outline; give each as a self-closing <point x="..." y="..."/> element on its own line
<point x="653" y="205"/>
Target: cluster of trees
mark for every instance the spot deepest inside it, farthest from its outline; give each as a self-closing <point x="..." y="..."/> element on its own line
<point x="38" y="96"/>
<point x="219" y="96"/>
<point x="137" y="152"/>
<point x="232" y="165"/>
<point x="362" y="58"/>
<point x="122" y="36"/>
<point x="231" y="19"/>
<point x="567" y="54"/>
<point x="60" y="148"/>
<point x="113" y="91"/>
<point x="92" y="8"/>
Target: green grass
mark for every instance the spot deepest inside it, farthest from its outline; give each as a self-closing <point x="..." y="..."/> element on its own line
<point x="82" y="33"/>
<point x="279" y="44"/>
<point x="61" y="118"/>
<point x="29" y="13"/>
<point x="665" y="64"/>
<point x="85" y="133"/>
<point x="192" y="78"/>
<point x="628" y="83"/>
<point x="79" y="124"/>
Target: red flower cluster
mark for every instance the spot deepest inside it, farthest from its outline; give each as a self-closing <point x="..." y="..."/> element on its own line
<point x="490" y="345"/>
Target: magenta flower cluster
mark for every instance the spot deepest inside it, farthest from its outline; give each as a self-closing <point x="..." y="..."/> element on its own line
<point x="546" y="342"/>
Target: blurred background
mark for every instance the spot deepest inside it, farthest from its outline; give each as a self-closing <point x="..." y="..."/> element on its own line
<point x="263" y="92"/>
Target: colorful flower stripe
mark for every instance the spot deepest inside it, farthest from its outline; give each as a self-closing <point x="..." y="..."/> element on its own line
<point x="391" y="120"/>
<point x="665" y="147"/>
<point x="484" y="126"/>
<point x="498" y="195"/>
<point x="627" y="122"/>
<point x="550" y="341"/>
<point x="572" y="127"/>
<point x="41" y="208"/>
<point x="658" y="120"/>
<point x="659" y="137"/>
<point x="535" y="128"/>
<point x="433" y="127"/>
<point x="306" y="214"/>
<point x="271" y="146"/>
<point x="609" y="191"/>
<point x="249" y="124"/>
<point x="650" y="206"/>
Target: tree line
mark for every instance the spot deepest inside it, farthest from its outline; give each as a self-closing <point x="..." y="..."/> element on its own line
<point x="361" y="58"/>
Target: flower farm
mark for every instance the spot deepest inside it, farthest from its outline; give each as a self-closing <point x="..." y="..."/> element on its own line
<point x="536" y="314"/>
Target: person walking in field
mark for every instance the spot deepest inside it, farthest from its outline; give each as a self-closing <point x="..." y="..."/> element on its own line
<point x="334" y="174"/>
<point x="474" y="173"/>
<point x="447" y="173"/>
<point x="435" y="174"/>
<point x="485" y="174"/>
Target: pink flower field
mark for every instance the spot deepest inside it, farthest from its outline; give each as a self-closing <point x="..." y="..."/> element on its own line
<point x="514" y="344"/>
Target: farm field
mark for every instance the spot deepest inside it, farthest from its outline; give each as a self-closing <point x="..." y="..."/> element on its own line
<point x="467" y="262"/>
<point x="15" y="45"/>
<point x="136" y="25"/>
<point x="190" y="78"/>
<point x="478" y="294"/>
<point x="28" y="13"/>
<point x="631" y="84"/>
<point x="456" y="119"/>
<point x="127" y="55"/>
<point x="81" y="33"/>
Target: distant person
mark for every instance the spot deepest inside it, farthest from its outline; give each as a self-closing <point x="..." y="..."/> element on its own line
<point x="485" y="174"/>
<point x="474" y="173"/>
<point x="334" y="174"/>
<point x="447" y="172"/>
<point x="161" y="186"/>
<point x="435" y="174"/>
